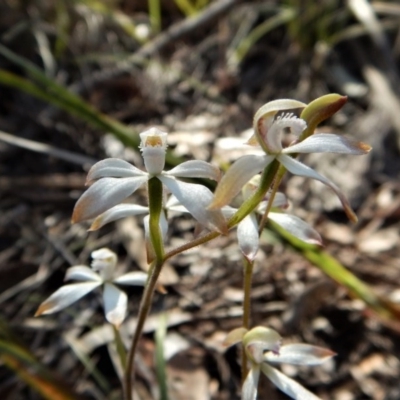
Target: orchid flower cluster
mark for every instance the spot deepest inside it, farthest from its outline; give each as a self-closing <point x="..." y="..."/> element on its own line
<point x="112" y="181"/>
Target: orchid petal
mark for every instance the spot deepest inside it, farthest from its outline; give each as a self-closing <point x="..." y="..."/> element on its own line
<point x="163" y="224"/>
<point x="153" y="146"/>
<point x="328" y="143"/>
<point x="118" y="212"/>
<point x="248" y="238"/>
<point x="228" y="211"/>
<point x="196" y="198"/>
<point x="235" y="336"/>
<point x="297" y="227"/>
<point x="195" y="169"/>
<point x="280" y="201"/>
<point x="270" y="109"/>
<point x="297" y="168"/>
<point x="65" y="296"/>
<point x="104" y="194"/>
<point x="112" y="168"/>
<point x="173" y="205"/>
<point x="250" y="385"/>
<point x="240" y="172"/>
<point x="115" y="304"/>
<point x="287" y="385"/>
<point x="264" y="119"/>
<point x="300" y="354"/>
<point x="136" y="278"/>
<point x="82" y="273"/>
<point x="149" y="247"/>
<point x="258" y="340"/>
<point x="273" y="136"/>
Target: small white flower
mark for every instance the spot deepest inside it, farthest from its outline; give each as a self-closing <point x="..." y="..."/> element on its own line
<point x="263" y="347"/>
<point x="112" y="180"/>
<point x="269" y="125"/>
<point x="101" y="273"/>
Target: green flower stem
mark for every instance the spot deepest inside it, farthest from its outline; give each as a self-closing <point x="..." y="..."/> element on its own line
<point x="250" y="205"/>
<point x="155" y="207"/>
<point x="275" y="187"/>
<point x="155" y="189"/>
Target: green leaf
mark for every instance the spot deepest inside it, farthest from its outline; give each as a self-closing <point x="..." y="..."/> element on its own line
<point x="383" y="307"/>
<point x="22" y="362"/>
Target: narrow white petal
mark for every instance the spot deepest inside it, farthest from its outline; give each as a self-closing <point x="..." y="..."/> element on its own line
<point x="104" y="194"/>
<point x="297" y="168"/>
<point x="228" y="211"/>
<point x="248" y="238"/>
<point x="115" y="304"/>
<point x="195" y="169"/>
<point x="65" y="296"/>
<point x="163" y="225"/>
<point x="287" y="385"/>
<point x="328" y="143"/>
<point x="240" y="172"/>
<point x="135" y="278"/>
<point x="300" y="354"/>
<point x="82" y="273"/>
<point x="149" y="247"/>
<point x="173" y="205"/>
<point x="250" y="385"/>
<point x="196" y="198"/>
<point x="113" y="168"/>
<point x="118" y="212"/>
<point x="280" y="201"/>
<point x="297" y="227"/>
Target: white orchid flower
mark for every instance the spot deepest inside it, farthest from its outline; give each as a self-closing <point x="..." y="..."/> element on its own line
<point x="101" y="273"/>
<point x="263" y="347"/>
<point x="247" y="229"/>
<point x="269" y="123"/>
<point x="112" y="180"/>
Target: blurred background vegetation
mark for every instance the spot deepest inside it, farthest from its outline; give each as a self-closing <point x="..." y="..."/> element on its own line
<point x="80" y="78"/>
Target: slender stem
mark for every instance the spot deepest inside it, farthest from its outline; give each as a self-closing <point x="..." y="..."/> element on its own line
<point x="271" y="198"/>
<point x="155" y="189"/>
<point x="155" y="207"/>
<point x="144" y="308"/>
<point x="187" y="246"/>
<point x="248" y="275"/>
